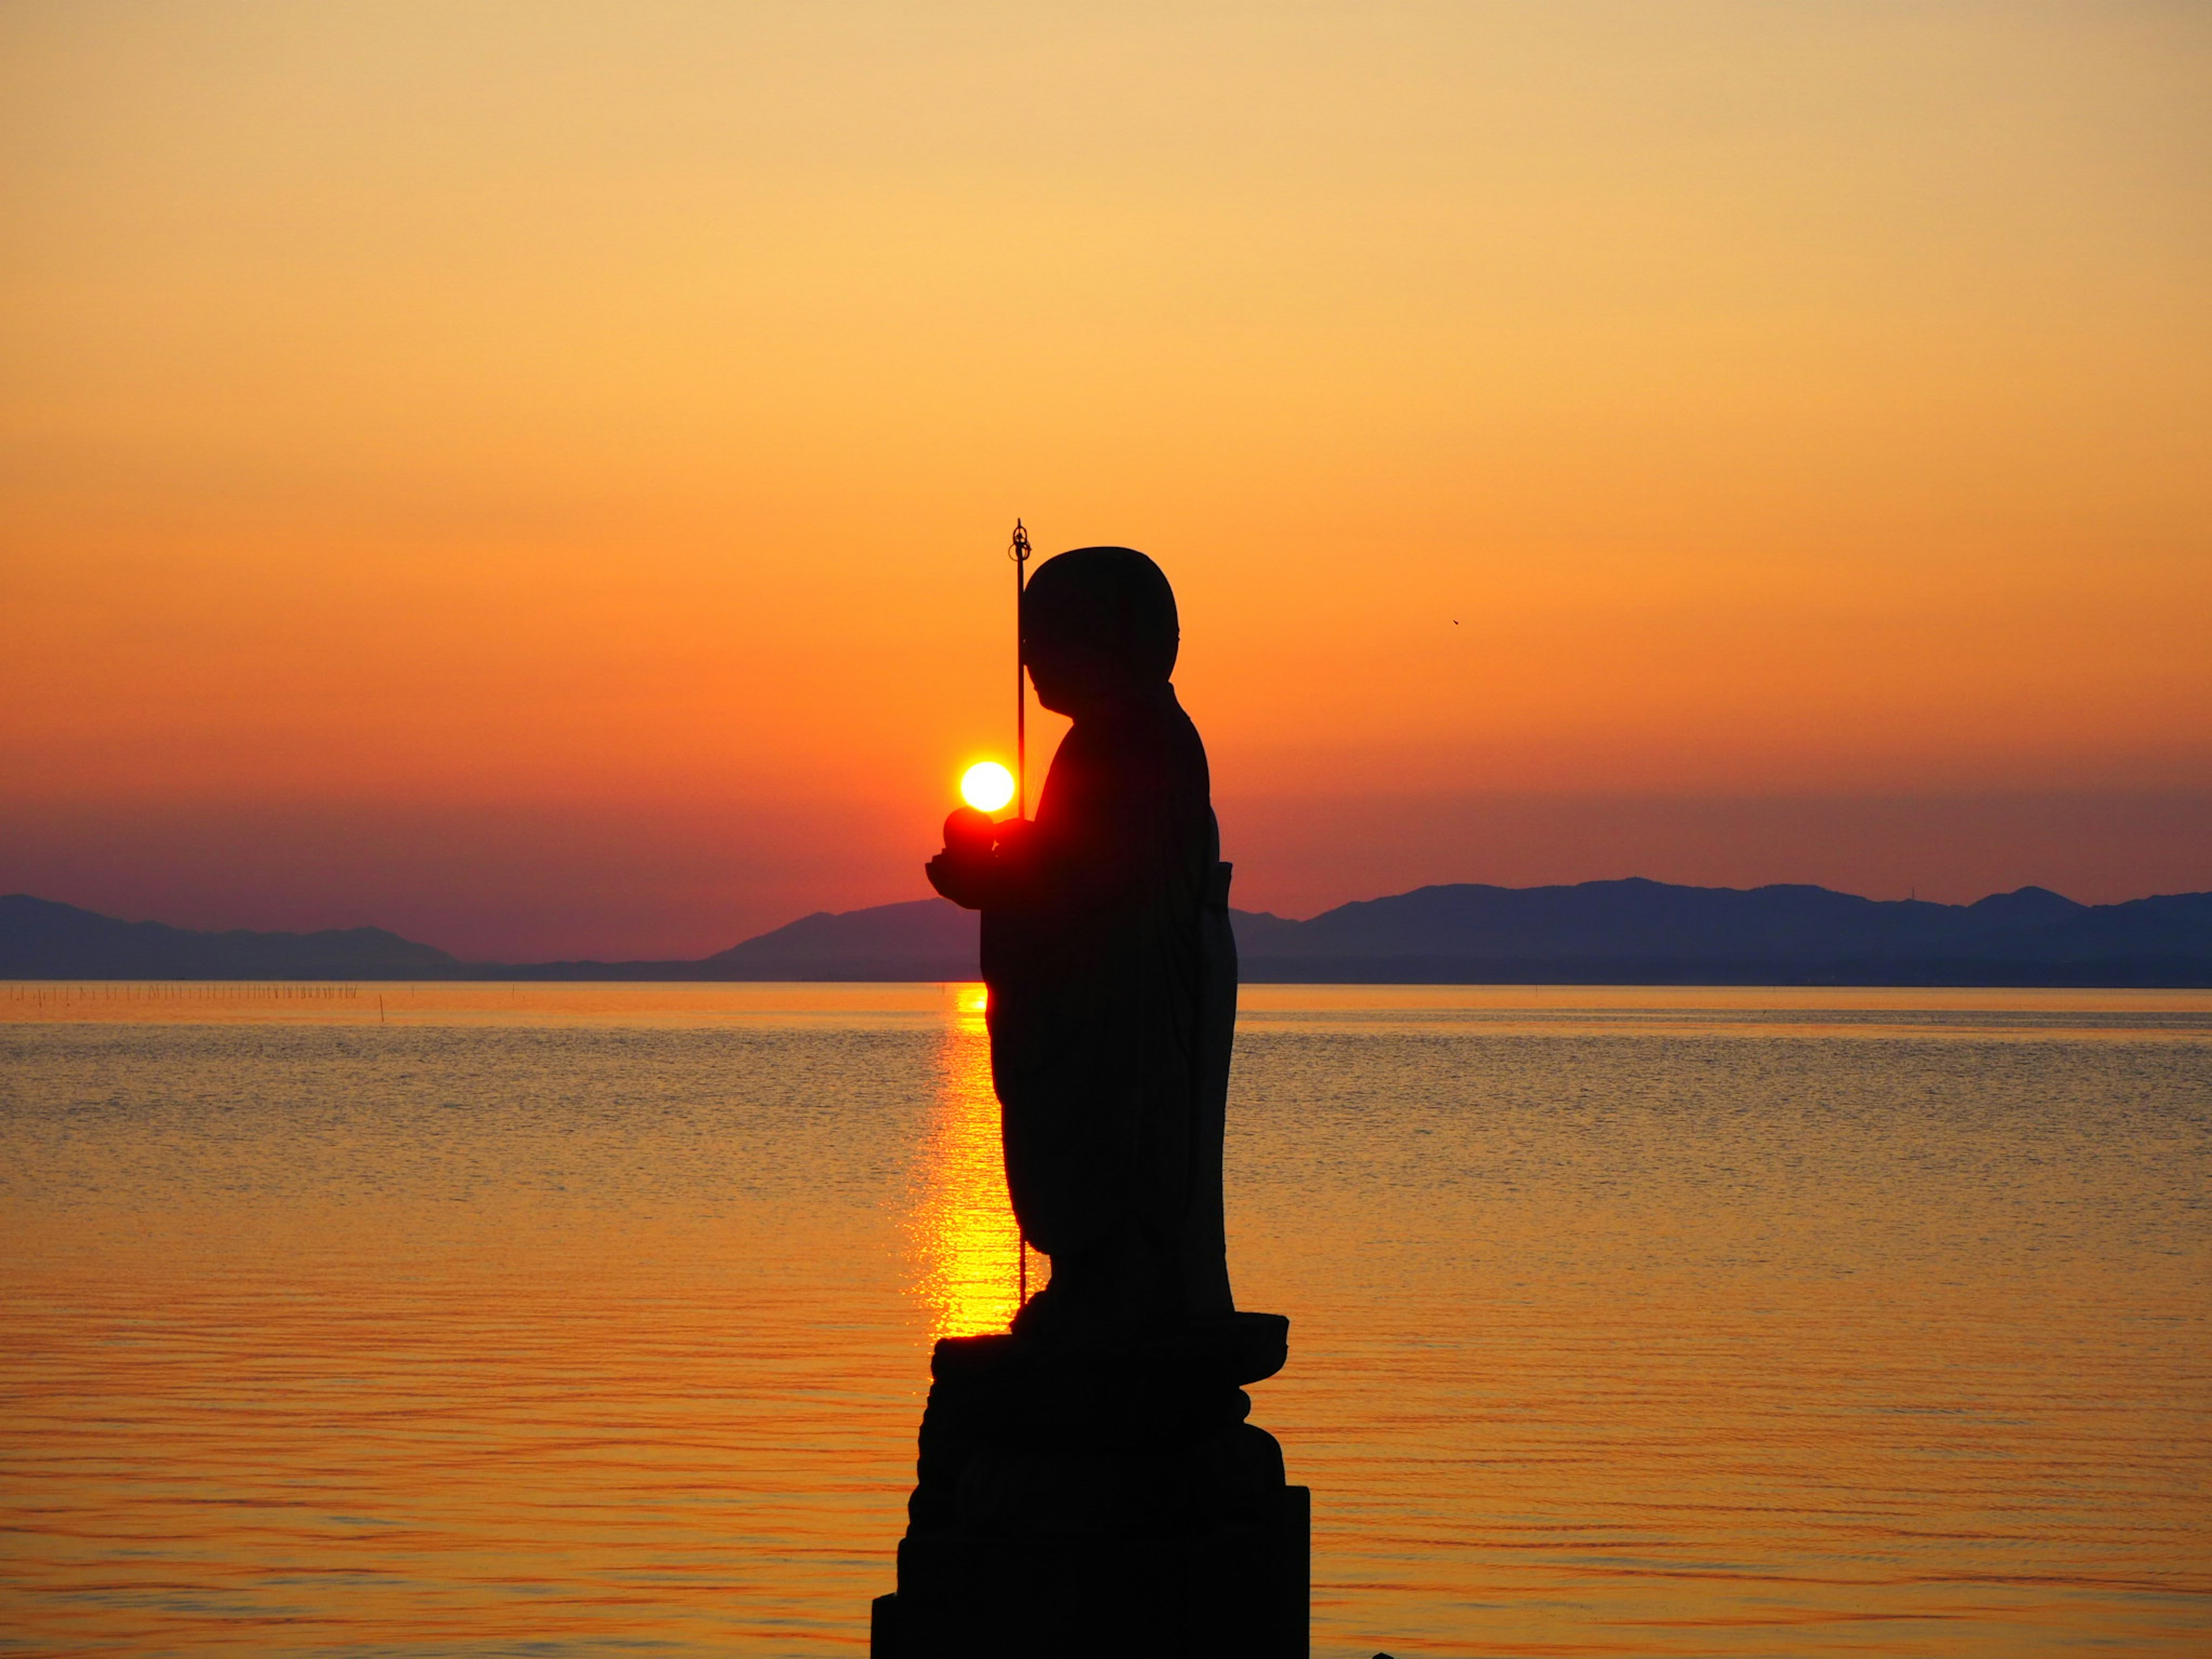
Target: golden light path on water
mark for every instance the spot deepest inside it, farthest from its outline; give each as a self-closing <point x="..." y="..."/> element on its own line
<point x="964" y="1244"/>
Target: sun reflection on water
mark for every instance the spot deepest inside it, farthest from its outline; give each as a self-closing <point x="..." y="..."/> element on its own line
<point x="962" y="1241"/>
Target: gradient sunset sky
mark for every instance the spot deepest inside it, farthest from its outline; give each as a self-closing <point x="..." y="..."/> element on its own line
<point x="534" y="475"/>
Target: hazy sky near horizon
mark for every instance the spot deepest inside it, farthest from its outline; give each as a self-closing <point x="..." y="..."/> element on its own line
<point x="534" y="475"/>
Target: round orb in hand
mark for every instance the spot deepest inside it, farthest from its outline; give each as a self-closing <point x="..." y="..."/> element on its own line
<point x="968" y="829"/>
<point x="987" y="786"/>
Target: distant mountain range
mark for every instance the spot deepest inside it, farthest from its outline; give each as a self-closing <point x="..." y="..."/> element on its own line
<point x="1637" y="932"/>
<point x="41" y="940"/>
<point x="1633" y="931"/>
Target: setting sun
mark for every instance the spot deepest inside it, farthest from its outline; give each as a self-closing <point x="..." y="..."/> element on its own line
<point x="987" y="786"/>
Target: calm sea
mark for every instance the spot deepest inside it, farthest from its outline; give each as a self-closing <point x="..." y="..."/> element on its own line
<point x="396" y="1321"/>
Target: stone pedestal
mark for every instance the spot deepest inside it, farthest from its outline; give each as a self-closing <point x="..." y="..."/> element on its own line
<point x="1101" y="1498"/>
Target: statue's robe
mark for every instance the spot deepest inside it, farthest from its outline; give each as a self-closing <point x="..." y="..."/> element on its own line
<point x="1113" y="994"/>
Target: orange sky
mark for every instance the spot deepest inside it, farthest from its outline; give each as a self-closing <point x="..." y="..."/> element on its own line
<point x="532" y="475"/>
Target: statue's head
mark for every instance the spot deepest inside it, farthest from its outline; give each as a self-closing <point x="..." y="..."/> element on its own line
<point x="1098" y="625"/>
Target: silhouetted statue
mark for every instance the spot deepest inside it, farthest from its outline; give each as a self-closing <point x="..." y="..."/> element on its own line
<point x="1111" y="967"/>
<point x="1089" y="1485"/>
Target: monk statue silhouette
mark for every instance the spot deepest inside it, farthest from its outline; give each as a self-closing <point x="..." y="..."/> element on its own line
<point x="1112" y="970"/>
<point x="1089" y="1483"/>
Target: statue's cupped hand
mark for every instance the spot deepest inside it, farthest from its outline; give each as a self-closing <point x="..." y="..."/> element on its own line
<point x="981" y="861"/>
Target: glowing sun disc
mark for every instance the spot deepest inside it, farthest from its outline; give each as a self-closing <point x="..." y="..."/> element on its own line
<point x="987" y="786"/>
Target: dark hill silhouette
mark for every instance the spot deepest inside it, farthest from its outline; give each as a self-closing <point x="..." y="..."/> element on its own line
<point x="1633" y="931"/>
<point x="917" y="941"/>
<point x="929" y="938"/>
<point x="41" y="940"/>
<point x="1647" y="931"/>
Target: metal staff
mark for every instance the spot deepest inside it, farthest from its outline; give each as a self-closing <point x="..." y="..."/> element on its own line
<point x="1018" y="551"/>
